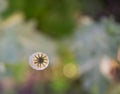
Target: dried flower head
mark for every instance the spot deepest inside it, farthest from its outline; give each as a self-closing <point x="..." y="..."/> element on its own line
<point x="38" y="61"/>
<point x="111" y="69"/>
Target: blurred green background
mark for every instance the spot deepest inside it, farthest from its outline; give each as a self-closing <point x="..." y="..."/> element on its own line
<point x="77" y="36"/>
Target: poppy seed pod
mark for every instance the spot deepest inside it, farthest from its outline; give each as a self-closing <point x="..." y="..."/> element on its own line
<point x="38" y="61"/>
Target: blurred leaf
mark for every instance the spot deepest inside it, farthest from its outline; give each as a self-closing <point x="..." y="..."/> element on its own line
<point x="89" y="44"/>
<point x="54" y="18"/>
<point x="17" y="71"/>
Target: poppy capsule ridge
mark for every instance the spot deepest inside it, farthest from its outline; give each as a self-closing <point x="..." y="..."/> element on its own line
<point x="39" y="61"/>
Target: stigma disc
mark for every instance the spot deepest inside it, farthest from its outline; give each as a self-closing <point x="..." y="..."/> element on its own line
<point x="39" y="61"/>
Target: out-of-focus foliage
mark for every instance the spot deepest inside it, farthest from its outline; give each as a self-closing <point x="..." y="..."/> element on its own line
<point x="3" y="5"/>
<point x="90" y="43"/>
<point x="74" y="61"/>
<point x="17" y="37"/>
<point x="55" y="18"/>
